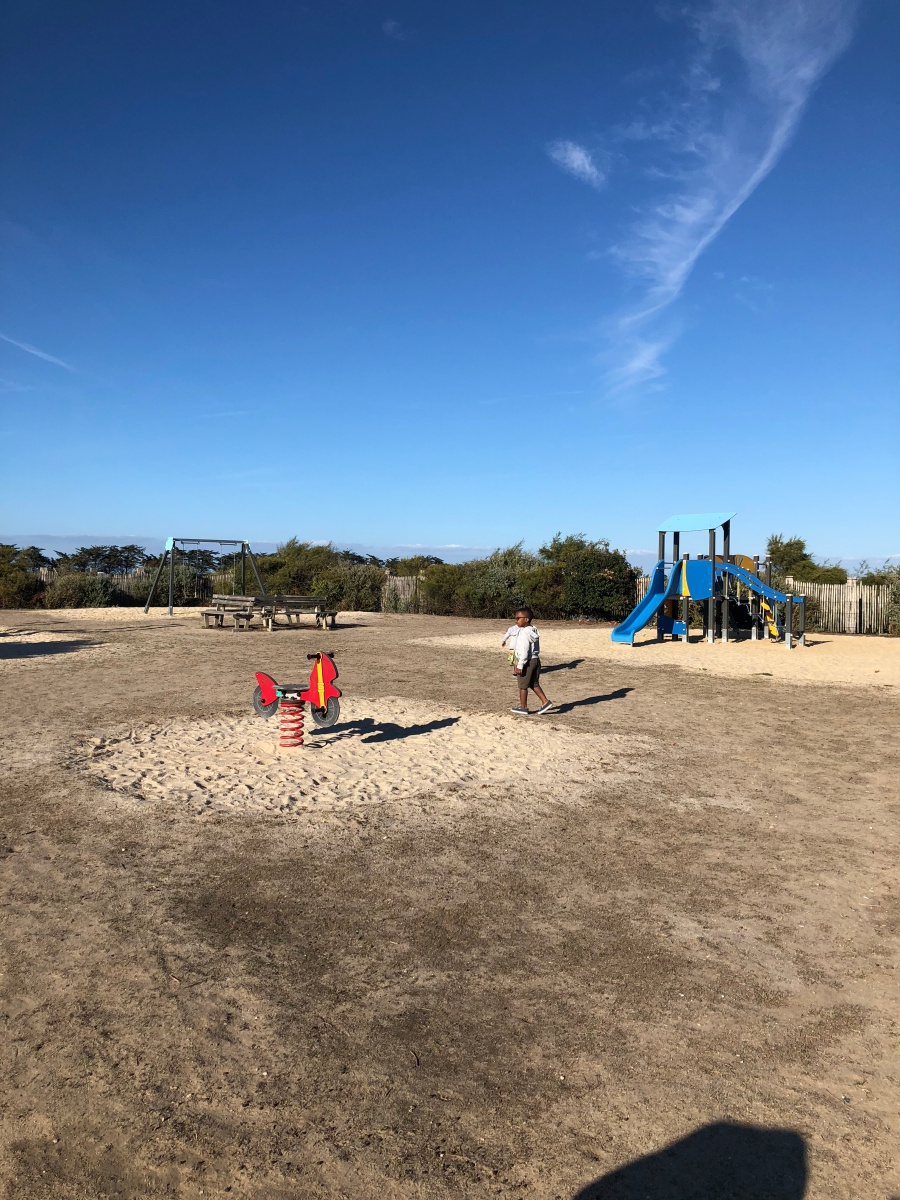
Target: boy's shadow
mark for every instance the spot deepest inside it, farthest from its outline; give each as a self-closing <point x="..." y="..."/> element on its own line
<point x="569" y="666"/>
<point x="618" y="694"/>
<point x="713" y="1163"/>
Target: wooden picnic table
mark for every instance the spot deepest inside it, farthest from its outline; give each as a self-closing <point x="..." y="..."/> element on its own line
<point x="242" y="609"/>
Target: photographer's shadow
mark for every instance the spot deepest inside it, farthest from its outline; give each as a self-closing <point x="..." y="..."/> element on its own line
<point x="717" y="1162"/>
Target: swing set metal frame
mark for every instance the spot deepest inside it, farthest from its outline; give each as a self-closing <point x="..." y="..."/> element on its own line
<point x="179" y="543"/>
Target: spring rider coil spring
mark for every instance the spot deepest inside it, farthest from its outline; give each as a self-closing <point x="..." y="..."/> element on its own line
<point x="290" y="727"/>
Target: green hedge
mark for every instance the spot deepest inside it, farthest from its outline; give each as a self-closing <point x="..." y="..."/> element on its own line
<point x="19" y="586"/>
<point x="569" y="577"/>
<point x="85" y="591"/>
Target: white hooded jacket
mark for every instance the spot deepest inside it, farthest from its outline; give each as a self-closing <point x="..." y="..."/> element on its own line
<point x="527" y="645"/>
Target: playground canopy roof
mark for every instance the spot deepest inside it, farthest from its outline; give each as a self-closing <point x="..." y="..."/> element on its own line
<point x="687" y="522"/>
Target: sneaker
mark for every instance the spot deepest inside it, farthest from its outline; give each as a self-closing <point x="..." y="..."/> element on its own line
<point x="545" y="708"/>
<point x="521" y="712"/>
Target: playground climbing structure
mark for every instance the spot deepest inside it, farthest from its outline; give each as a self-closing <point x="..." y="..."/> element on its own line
<point x="735" y="594"/>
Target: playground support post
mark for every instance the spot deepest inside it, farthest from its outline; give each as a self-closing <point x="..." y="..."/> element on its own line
<point x="243" y="568"/>
<point x="789" y="621"/>
<point x="801" y="621"/>
<point x="766" y="632"/>
<point x="711" y="602"/>
<point x="755" y="605"/>
<point x="686" y="609"/>
<point x="726" y="557"/>
<point x="260" y="584"/>
<point x="172" y="579"/>
<point x="661" y="555"/>
<point x="159" y="571"/>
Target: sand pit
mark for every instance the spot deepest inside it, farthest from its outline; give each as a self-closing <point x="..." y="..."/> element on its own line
<point x="382" y="752"/>
<point x="828" y="658"/>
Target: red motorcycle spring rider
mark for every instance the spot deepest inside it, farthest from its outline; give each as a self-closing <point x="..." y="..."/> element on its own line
<point x="287" y="699"/>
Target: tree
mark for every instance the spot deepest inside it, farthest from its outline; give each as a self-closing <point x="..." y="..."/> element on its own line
<point x="32" y="558"/>
<point x="790" y="557"/>
<point x="132" y="557"/>
<point x="414" y="565"/>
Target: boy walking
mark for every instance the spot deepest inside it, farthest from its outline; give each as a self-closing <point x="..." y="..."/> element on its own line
<point x="527" y="647"/>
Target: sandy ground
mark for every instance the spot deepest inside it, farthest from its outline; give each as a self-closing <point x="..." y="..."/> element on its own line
<point x="645" y="946"/>
<point x="385" y="751"/>
<point x="826" y="658"/>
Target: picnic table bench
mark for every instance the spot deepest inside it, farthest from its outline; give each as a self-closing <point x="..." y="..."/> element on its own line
<point x="293" y="607"/>
<point x="239" y="608"/>
<point x="242" y="609"/>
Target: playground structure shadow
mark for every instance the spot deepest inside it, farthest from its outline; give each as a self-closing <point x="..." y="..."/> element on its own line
<point x="568" y="666"/>
<point x="385" y="731"/>
<point x="9" y="650"/>
<point x="723" y="1161"/>
<point x="569" y="705"/>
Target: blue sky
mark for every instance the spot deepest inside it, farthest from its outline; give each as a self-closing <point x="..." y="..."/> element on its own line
<point x="420" y="274"/>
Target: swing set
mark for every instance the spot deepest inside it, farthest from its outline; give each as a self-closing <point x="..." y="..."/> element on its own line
<point x="174" y="544"/>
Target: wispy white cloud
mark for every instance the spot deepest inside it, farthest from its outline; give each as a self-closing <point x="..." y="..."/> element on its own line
<point x="9" y="385"/>
<point x="708" y="144"/>
<point x="394" y="31"/>
<point x="638" y="362"/>
<point x="58" y="362"/>
<point x="578" y="161"/>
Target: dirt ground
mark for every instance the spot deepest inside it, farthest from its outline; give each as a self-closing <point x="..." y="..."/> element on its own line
<point x="643" y="947"/>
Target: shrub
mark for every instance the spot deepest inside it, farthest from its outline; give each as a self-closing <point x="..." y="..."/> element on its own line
<point x="592" y="580"/>
<point x="84" y="591"/>
<point x="570" y="577"/>
<point x="440" y="586"/>
<point x="295" y="566"/>
<point x="352" y="587"/>
<point x="19" y="586"/>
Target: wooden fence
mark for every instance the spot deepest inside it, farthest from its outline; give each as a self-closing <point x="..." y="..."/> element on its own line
<point x="400" y="594"/>
<point x="850" y="607"/>
<point x="139" y="581"/>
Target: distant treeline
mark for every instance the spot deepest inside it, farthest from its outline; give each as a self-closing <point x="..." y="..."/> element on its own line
<point x="569" y="577"/>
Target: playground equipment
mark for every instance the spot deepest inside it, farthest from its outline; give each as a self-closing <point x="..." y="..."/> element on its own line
<point x="736" y="595"/>
<point x="176" y="543"/>
<point x="288" y="699"/>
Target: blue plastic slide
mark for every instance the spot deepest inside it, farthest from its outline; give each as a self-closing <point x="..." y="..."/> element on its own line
<point x="658" y="591"/>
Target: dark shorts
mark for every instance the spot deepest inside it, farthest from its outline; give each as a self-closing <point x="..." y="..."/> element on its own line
<point x="531" y="674"/>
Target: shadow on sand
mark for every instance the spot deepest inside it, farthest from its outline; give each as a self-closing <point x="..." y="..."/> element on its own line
<point x="569" y="666"/>
<point x="717" y="1162"/>
<point x="39" y="649"/>
<point x="382" y="731"/>
<point x="618" y="694"/>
